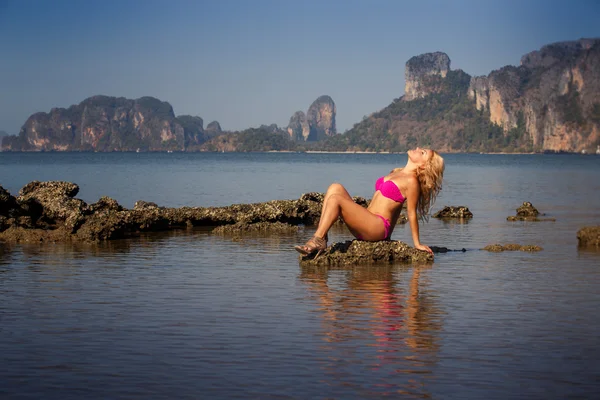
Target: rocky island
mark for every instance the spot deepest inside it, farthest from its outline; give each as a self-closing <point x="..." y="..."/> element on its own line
<point x="549" y="103"/>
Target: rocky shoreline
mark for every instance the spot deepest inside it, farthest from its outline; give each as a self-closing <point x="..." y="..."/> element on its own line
<point x="50" y="212"/>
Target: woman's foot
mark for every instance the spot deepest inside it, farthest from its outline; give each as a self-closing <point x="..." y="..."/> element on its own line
<point x="314" y="244"/>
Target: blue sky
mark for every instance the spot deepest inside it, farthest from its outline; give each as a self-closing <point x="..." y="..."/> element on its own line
<point x="250" y="62"/>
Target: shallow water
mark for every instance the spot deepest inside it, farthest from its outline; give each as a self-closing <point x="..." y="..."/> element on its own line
<point x="189" y="314"/>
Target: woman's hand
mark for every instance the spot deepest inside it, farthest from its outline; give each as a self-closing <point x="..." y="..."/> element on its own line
<point x="423" y="247"/>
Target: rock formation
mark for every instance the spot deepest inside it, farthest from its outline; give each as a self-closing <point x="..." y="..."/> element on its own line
<point x="460" y="212"/>
<point x="321" y="118"/>
<point x="358" y="252"/>
<point x="527" y="212"/>
<point x="298" y="128"/>
<point x="549" y="103"/>
<point x="103" y="123"/>
<point x="554" y="95"/>
<point x="49" y="211"/>
<point x="214" y="128"/>
<point x="318" y="123"/>
<point x="496" y="248"/>
<point x="423" y="74"/>
<point x="589" y="236"/>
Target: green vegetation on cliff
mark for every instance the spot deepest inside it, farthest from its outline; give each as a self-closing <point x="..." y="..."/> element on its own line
<point x="445" y="119"/>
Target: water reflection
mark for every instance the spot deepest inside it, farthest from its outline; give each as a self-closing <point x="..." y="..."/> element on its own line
<point x="384" y="319"/>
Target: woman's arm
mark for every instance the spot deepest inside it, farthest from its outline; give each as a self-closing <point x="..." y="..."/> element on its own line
<point x="412" y="196"/>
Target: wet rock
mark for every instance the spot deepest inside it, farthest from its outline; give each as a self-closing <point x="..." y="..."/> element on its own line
<point x="589" y="236"/>
<point x="437" y="249"/>
<point x="105" y="225"/>
<point x="51" y="206"/>
<point x="7" y="202"/>
<point x="242" y="228"/>
<point x="358" y="252"/>
<point x="140" y="205"/>
<point x="57" y="203"/>
<point x="20" y="234"/>
<point x="105" y="204"/>
<point x="461" y="212"/>
<point x="496" y="248"/>
<point x="527" y="212"/>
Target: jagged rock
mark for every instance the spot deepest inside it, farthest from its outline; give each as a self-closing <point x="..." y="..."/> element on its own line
<point x="57" y="201"/>
<point x="422" y="74"/>
<point x="105" y="225"/>
<point x="321" y="118"/>
<point x="105" y="204"/>
<point x="242" y="228"/>
<point x="7" y="202"/>
<point x="589" y="236"/>
<point x="454" y="212"/>
<point x="214" y="128"/>
<point x="193" y="131"/>
<point x="298" y="128"/>
<point x="511" y="247"/>
<point x="46" y="206"/>
<point x="141" y="204"/>
<point x="527" y="212"/>
<point x="358" y="252"/>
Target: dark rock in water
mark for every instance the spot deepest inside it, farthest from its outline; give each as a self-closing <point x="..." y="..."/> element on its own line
<point x="242" y="228"/>
<point x="358" y="252"/>
<point x="7" y="202"/>
<point x="496" y="248"/>
<point x="437" y="249"/>
<point x="57" y="201"/>
<point x="589" y="236"/>
<point x="43" y="207"/>
<point x="461" y="212"/>
<point x="527" y="212"/>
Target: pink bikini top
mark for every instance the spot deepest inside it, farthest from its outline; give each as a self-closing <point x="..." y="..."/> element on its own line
<point x="389" y="189"/>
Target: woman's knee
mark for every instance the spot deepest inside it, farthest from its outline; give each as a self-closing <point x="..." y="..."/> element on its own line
<point x="336" y="188"/>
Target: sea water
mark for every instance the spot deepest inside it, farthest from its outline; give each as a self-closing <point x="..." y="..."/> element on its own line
<point x="189" y="314"/>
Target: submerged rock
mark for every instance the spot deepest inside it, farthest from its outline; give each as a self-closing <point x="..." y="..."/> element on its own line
<point x="589" y="236"/>
<point x="527" y="212"/>
<point x="461" y="212"/>
<point x="241" y="228"/>
<point x="496" y="248"/>
<point x="361" y="252"/>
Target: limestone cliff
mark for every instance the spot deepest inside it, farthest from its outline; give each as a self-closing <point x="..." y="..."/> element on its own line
<point x="298" y="128"/>
<point x="554" y="94"/>
<point x="317" y="124"/>
<point x="321" y="118"/>
<point x="103" y="123"/>
<point x="423" y="74"/>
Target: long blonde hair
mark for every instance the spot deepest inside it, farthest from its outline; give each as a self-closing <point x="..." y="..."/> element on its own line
<point x="430" y="178"/>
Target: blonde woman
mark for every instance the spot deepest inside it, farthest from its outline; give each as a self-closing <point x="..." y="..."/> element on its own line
<point x="417" y="184"/>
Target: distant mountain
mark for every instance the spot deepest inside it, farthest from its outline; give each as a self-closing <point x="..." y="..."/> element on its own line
<point x="317" y="124"/>
<point x="3" y="133"/>
<point x="103" y="123"/>
<point x="549" y="103"/>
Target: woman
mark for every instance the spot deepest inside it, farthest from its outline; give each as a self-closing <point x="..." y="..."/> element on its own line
<point x="418" y="183"/>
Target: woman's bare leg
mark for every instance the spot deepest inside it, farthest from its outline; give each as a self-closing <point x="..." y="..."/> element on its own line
<point x="358" y="219"/>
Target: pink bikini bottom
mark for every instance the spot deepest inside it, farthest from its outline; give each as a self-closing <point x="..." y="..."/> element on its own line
<point x="386" y="225"/>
